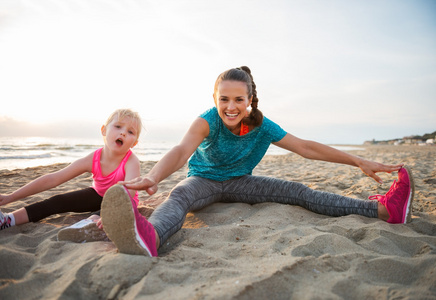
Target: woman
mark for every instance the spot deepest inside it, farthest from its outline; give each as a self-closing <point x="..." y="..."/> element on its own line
<point x="226" y="143"/>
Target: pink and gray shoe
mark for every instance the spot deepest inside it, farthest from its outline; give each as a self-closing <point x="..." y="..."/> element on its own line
<point x="124" y="225"/>
<point x="398" y="200"/>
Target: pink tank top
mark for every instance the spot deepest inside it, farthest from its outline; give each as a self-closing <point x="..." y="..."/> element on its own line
<point x="102" y="183"/>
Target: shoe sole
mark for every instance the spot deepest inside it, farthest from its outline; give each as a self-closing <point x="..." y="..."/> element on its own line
<point x="118" y="219"/>
<point x="88" y="233"/>
<point x="408" y="204"/>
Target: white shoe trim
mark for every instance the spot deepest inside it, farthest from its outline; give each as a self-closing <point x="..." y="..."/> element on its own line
<point x="409" y="198"/>
<point x="138" y="237"/>
<point x="81" y="224"/>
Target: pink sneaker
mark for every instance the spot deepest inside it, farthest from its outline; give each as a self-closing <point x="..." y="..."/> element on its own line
<point x="124" y="225"/>
<point x="398" y="200"/>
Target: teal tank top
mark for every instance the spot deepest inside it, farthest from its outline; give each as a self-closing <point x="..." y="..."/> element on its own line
<point x="223" y="155"/>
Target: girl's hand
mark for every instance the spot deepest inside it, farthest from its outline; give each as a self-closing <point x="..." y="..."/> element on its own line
<point x="144" y="183"/>
<point x="5" y="199"/>
<point x="99" y="224"/>
<point x="371" y="167"/>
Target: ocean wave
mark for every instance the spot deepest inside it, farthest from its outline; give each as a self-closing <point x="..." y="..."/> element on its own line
<point x="24" y="148"/>
<point x="30" y="156"/>
<point x="64" y="148"/>
<point x="90" y="146"/>
<point x="47" y="147"/>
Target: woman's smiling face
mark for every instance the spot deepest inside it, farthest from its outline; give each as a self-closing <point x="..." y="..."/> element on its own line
<point x="231" y="100"/>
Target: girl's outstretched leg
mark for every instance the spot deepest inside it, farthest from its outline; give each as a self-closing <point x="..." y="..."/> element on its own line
<point x="125" y="226"/>
<point x="17" y="217"/>
<point x="6" y="220"/>
<point x="85" y="200"/>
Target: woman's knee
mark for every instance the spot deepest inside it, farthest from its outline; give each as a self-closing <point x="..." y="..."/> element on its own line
<point x="179" y="196"/>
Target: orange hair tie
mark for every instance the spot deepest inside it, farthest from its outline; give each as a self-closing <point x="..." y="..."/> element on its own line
<point x="244" y="129"/>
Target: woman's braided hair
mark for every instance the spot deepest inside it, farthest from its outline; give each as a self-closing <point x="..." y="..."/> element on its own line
<point x="243" y="74"/>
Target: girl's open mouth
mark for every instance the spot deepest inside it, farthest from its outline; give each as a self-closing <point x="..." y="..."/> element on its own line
<point x="119" y="142"/>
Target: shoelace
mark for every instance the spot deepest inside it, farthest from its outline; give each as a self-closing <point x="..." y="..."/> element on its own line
<point x="382" y="198"/>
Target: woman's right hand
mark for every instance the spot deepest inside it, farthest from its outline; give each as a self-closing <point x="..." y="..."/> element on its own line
<point x="173" y="160"/>
<point x="141" y="183"/>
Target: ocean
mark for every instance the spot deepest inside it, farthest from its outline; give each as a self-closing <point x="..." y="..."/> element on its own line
<point x="24" y="152"/>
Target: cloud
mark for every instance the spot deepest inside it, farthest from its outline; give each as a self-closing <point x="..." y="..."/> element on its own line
<point x="316" y="63"/>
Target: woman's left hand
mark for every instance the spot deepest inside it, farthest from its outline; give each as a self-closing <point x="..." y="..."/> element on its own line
<point x="370" y="168"/>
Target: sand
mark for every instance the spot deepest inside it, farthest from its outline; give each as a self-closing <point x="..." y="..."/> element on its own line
<point x="239" y="251"/>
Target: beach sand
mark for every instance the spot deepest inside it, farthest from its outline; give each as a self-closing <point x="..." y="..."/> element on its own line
<point x="239" y="251"/>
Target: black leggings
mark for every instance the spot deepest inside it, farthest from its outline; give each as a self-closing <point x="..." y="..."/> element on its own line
<point x="86" y="200"/>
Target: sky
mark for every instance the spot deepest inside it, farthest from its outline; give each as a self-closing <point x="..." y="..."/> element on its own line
<point x="334" y="71"/>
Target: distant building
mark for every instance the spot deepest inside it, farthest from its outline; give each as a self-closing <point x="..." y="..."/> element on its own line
<point x="411" y="140"/>
<point x="407" y="140"/>
<point x="367" y="143"/>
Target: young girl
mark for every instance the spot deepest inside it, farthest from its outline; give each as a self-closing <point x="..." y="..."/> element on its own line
<point x="226" y="143"/>
<point x="110" y="164"/>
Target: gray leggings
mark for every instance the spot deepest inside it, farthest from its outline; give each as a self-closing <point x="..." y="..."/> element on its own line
<point x="194" y="193"/>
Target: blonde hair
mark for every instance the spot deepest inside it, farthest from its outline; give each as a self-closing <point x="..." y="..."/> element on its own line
<point x="126" y="113"/>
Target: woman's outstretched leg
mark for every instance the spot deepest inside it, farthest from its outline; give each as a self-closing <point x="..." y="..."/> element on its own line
<point x="124" y="225"/>
<point x="259" y="189"/>
<point x="191" y="194"/>
<point x="394" y="207"/>
<point x="133" y="234"/>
